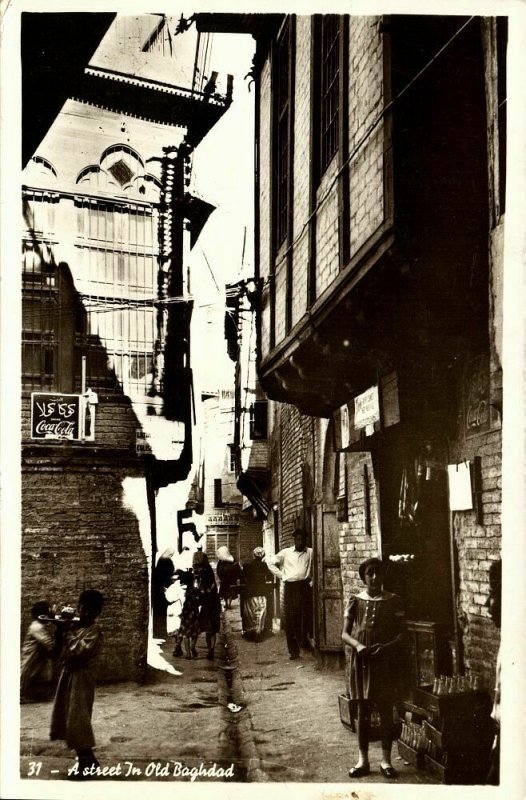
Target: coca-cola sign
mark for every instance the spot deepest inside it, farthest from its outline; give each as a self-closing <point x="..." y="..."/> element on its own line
<point x="476" y="396"/>
<point x="55" y="415"/>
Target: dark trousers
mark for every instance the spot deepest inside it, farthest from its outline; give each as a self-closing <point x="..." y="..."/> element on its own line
<point x="298" y="600"/>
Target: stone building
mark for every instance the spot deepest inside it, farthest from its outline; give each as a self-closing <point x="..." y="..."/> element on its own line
<point x="380" y="209"/>
<point x="106" y="374"/>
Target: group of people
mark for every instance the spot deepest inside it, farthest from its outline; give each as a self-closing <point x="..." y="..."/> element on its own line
<point x="373" y="630"/>
<point x="202" y="598"/>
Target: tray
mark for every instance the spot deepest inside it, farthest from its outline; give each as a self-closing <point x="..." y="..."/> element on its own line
<point x="464" y="704"/>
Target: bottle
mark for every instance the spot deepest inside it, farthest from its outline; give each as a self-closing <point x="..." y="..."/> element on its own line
<point x="435" y="685"/>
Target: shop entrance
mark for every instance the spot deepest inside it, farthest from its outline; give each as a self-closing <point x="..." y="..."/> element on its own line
<point x="415" y="522"/>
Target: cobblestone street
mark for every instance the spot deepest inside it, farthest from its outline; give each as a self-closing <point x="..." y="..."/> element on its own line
<point x="288" y="729"/>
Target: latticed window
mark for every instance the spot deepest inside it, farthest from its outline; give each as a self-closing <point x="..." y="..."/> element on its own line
<point x="330" y="88"/>
<point x="116" y="254"/>
<point x="283" y="70"/>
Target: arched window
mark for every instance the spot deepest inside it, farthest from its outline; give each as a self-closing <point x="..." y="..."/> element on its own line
<point x="123" y="163"/>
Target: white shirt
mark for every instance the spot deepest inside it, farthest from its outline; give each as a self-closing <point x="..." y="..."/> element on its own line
<point x="292" y="565"/>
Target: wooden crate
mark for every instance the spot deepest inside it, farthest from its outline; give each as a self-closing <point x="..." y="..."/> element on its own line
<point x="411" y="755"/>
<point x="464" y="704"/>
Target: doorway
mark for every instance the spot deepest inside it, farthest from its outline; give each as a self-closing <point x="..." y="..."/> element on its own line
<point x="414" y="511"/>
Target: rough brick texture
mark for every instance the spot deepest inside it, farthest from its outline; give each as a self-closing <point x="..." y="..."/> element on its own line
<point x="77" y="534"/>
<point x="366" y="100"/>
<point x="265" y="198"/>
<point x="115" y="425"/>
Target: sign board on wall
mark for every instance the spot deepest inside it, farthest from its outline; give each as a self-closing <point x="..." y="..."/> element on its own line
<point x="366" y="408"/>
<point x="476" y="396"/>
<point x="142" y="442"/>
<point x="56" y="416"/>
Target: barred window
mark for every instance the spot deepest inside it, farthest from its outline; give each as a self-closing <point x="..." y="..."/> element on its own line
<point x="329" y="32"/>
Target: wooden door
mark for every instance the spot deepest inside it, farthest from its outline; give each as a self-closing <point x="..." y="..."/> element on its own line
<point x="328" y="586"/>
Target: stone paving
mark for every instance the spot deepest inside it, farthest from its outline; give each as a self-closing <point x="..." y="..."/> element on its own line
<point x="171" y="719"/>
<point x="294" y="716"/>
<point x="288" y="729"/>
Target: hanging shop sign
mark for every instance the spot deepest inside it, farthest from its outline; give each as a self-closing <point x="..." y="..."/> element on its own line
<point x="222" y="519"/>
<point x="56" y="416"/>
<point x="459" y="483"/>
<point x="476" y="397"/>
<point x="366" y="408"/>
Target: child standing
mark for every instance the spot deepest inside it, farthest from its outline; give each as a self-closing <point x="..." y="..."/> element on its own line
<point x="71" y="716"/>
<point x="374" y="627"/>
<point x="35" y="661"/>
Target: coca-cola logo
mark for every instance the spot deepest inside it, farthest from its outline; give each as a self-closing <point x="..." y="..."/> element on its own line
<point x="55" y="416"/>
<point x="477" y="415"/>
<point x="60" y="429"/>
<point x="476" y="396"/>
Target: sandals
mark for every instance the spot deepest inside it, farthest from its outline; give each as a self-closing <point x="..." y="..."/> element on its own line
<point x="389" y="772"/>
<point x="359" y="772"/>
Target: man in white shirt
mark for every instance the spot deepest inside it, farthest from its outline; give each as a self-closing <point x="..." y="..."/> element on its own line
<point x="293" y="566"/>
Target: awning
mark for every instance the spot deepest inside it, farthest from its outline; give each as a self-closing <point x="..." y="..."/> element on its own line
<point x="250" y="489"/>
<point x="196" y="212"/>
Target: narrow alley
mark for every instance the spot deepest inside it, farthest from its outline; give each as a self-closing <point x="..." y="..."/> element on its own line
<point x="180" y="727"/>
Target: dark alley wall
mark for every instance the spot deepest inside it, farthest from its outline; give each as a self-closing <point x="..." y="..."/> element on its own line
<point x="77" y="534"/>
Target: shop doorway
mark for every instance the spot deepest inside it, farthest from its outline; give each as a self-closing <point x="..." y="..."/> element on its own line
<point x="414" y="512"/>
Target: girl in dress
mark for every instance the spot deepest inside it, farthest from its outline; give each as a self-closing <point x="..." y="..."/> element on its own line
<point x="374" y="627"/>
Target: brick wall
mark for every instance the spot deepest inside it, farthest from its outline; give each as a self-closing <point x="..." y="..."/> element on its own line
<point x="480" y="544"/>
<point x="77" y="534"/>
<point x="365" y="103"/>
<point x="295" y="449"/>
<point x="366" y="98"/>
<point x="251" y="535"/>
<point x="356" y="543"/>
<point x="115" y="424"/>
<point x="327" y="254"/>
<point x="265" y="198"/>
<point x="301" y="166"/>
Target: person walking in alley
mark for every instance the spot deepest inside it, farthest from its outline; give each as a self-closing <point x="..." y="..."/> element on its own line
<point x="35" y="659"/>
<point x="374" y="627"/>
<point x="229" y="572"/>
<point x="73" y="705"/>
<point x="256" y="584"/>
<point x="293" y="566"/>
<point x="210" y="611"/>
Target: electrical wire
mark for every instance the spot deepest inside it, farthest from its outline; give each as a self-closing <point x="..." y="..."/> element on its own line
<point x="209" y="267"/>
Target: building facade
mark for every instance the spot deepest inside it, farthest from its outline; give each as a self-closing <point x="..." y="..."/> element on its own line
<point x="380" y="208"/>
<point x="106" y="373"/>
